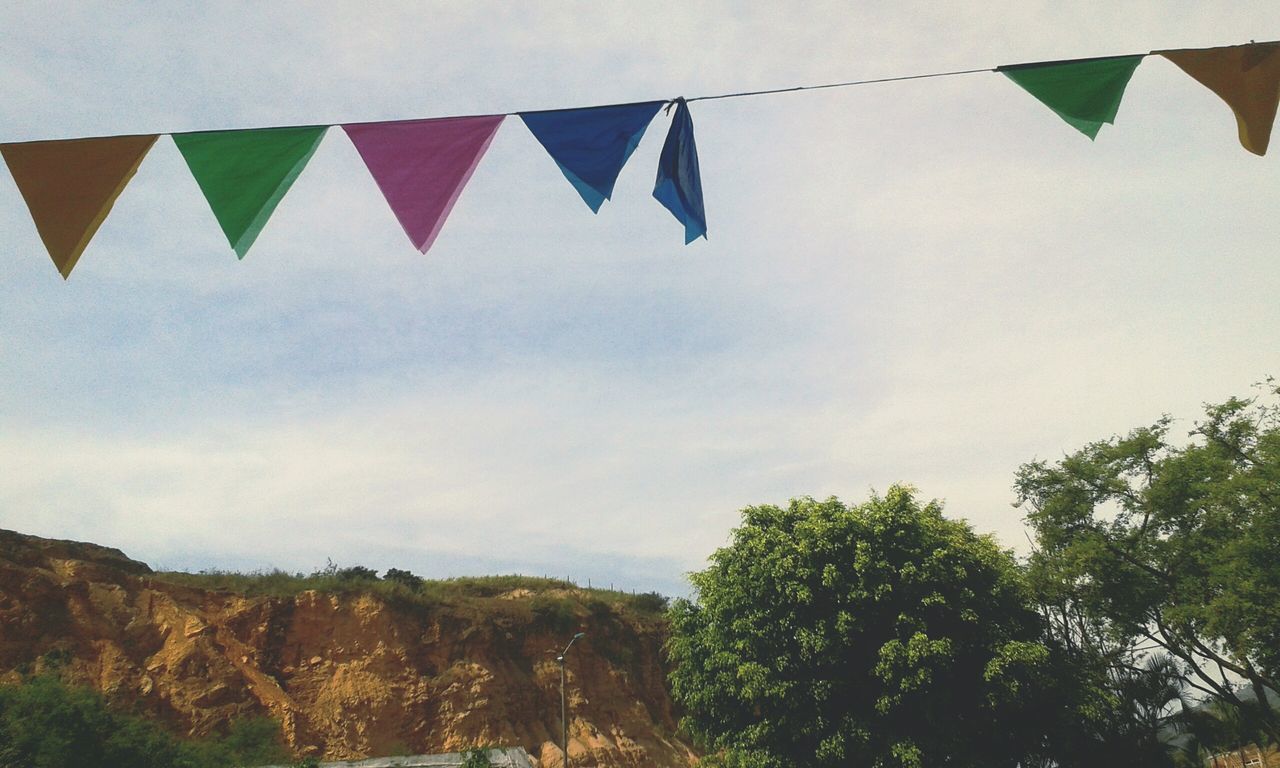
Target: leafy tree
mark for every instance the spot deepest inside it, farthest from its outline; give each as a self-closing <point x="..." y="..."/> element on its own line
<point x="407" y="578"/>
<point x="650" y="602"/>
<point x="879" y="634"/>
<point x="350" y="573"/>
<point x="1139" y="707"/>
<point x="1216" y="728"/>
<point x="476" y="758"/>
<point x="356" y="573"/>
<point x="250" y="741"/>
<point x="45" y="723"/>
<point x="553" y="612"/>
<point x="1145" y="545"/>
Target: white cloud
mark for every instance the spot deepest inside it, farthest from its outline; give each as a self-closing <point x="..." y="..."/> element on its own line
<point x="928" y="282"/>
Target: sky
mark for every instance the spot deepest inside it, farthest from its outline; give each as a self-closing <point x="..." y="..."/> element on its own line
<point x="928" y="282"/>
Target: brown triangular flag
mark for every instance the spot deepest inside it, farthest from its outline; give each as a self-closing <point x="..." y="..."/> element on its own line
<point x="70" y="186"/>
<point x="1247" y="77"/>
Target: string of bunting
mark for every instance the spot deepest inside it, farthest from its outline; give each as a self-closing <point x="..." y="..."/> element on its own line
<point x="422" y="166"/>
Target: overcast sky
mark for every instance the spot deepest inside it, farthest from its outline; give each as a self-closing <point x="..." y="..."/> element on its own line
<point x="927" y="282"/>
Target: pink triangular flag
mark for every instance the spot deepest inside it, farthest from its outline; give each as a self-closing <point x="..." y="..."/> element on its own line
<point x="421" y="166"/>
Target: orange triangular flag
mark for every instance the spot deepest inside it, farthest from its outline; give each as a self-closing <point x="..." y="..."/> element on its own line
<point x="70" y="186"/>
<point x="1247" y="77"/>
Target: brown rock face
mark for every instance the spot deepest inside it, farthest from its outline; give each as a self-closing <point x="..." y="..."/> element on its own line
<point x="347" y="675"/>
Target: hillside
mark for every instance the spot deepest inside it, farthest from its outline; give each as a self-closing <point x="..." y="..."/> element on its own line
<point x="350" y="666"/>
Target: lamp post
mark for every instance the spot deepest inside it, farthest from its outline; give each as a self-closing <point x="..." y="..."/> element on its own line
<point x="564" y="712"/>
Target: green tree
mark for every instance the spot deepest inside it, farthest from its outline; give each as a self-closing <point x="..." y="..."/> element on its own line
<point x="356" y="573"/>
<point x="1215" y="728"/>
<point x="476" y="758"/>
<point x="407" y="578"/>
<point x="1144" y="545"/>
<point x="879" y="634"/>
<point x="45" y="723"/>
<point x="250" y="741"/>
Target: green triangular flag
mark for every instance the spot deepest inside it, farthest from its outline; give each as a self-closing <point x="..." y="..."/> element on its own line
<point x="244" y="174"/>
<point x="1086" y="92"/>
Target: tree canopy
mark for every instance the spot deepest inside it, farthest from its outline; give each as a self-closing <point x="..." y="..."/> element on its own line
<point x="45" y="723"/>
<point x="879" y="634"/>
<point x="1146" y="545"/>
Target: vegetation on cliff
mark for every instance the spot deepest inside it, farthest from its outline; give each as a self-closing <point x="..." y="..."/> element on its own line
<point x="350" y="664"/>
<point x="554" y="602"/>
<point x="46" y="723"/>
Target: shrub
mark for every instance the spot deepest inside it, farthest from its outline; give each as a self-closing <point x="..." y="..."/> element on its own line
<point x="403" y="577"/>
<point x="356" y="573"/>
<point x="554" y="613"/>
<point x="253" y="740"/>
<point x="600" y="610"/>
<point x="475" y="758"/>
<point x="45" y="723"/>
<point x="650" y="602"/>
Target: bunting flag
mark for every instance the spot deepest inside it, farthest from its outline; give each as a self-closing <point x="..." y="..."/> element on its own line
<point x="421" y="166"/>
<point x="1246" y="77"/>
<point x="70" y="186"/>
<point x="244" y="174"/>
<point x="1085" y="92"/>
<point x="592" y="144"/>
<point x="679" y="185"/>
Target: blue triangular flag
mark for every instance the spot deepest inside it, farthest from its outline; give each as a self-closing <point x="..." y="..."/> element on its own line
<point x="592" y="144"/>
<point x="679" y="186"/>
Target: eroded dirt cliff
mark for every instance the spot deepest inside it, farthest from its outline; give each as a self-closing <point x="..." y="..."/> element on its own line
<point x="350" y="674"/>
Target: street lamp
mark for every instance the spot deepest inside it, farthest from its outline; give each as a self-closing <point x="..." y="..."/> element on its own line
<point x="564" y="722"/>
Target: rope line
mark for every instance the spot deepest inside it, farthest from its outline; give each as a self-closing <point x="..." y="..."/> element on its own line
<point x="845" y="84"/>
<point x="713" y="97"/>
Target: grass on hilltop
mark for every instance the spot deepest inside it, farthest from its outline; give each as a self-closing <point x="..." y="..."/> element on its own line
<point x="556" y="601"/>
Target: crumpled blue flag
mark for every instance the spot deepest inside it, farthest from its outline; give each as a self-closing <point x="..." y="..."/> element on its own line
<point x="679" y="186"/>
<point x="592" y="144"/>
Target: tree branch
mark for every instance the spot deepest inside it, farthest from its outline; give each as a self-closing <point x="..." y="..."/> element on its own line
<point x="1172" y="647"/>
